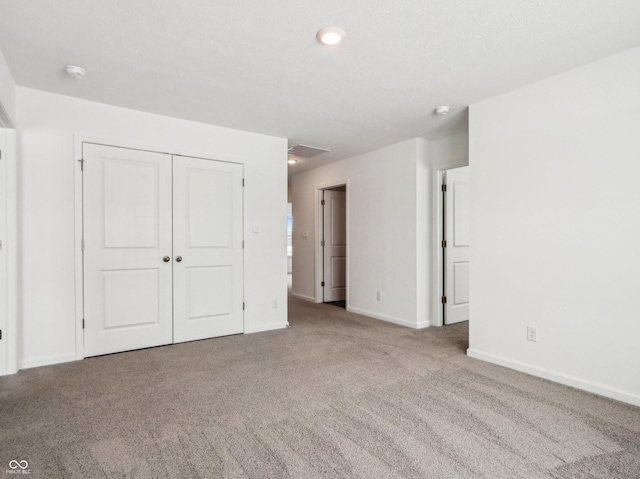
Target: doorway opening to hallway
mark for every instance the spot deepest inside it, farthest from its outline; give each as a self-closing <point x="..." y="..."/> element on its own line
<point x="454" y="244"/>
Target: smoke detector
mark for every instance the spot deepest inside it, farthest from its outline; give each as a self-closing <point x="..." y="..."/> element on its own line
<point x="442" y="110"/>
<point x="75" y="71"/>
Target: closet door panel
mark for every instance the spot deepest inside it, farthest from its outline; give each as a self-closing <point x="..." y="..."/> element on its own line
<point x="207" y="261"/>
<point x="127" y="234"/>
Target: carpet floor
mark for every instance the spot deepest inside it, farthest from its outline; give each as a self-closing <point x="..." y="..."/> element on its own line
<point x="336" y="395"/>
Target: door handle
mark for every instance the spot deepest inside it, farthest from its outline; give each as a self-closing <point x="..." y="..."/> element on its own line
<point x="178" y="258"/>
<point x="166" y="259"/>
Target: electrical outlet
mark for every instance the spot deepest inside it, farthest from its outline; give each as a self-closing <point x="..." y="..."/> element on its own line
<point x="378" y="295"/>
<point x="275" y="304"/>
<point x="532" y="333"/>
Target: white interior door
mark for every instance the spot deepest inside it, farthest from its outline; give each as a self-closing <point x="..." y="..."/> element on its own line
<point x="207" y="249"/>
<point x="457" y="245"/>
<point x="334" y="246"/>
<point x="127" y="238"/>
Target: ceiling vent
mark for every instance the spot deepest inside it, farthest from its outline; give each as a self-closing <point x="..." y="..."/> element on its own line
<point x="305" y="151"/>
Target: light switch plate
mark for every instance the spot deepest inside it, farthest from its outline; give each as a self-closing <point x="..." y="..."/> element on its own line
<point x="532" y="333"/>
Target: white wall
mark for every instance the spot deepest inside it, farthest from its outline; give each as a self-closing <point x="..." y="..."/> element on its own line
<point x="556" y="227"/>
<point x="449" y="152"/>
<point x="48" y="123"/>
<point x="7" y="94"/>
<point x="423" y="224"/>
<point x="8" y="224"/>
<point x="8" y="254"/>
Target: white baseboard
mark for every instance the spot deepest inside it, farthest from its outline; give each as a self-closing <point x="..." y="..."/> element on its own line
<point x="46" y="361"/>
<point x="9" y="372"/>
<point x="565" y="379"/>
<point x="423" y="324"/>
<point x="305" y="298"/>
<point x="266" y="327"/>
<point x="389" y="319"/>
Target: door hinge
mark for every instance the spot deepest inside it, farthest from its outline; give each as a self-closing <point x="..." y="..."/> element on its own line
<point x="242" y="306"/>
<point x="444" y="243"/>
<point x="242" y="244"/>
<point x="322" y="284"/>
<point x="444" y="300"/>
<point x="242" y="181"/>
<point x="322" y="243"/>
<point x="0" y="334"/>
<point x="82" y="323"/>
<point x="444" y="187"/>
<point x="322" y="202"/>
<point x="82" y="245"/>
<point x="81" y="164"/>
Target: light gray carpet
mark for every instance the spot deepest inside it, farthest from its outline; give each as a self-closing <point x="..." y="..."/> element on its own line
<point x="337" y="395"/>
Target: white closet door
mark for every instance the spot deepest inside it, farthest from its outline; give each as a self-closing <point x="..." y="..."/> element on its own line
<point x="207" y="264"/>
<point x="127" y="233"/>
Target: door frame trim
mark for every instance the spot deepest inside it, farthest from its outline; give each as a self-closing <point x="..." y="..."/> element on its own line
<point x="77" y="245"/>
<point x="319" y="264"/>
<point x="78" y="141"/>
<point x="438" y="215"/>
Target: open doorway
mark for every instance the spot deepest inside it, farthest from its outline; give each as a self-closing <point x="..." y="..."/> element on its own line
<point x="455" y="245"/>
<point x="333" y="245"/>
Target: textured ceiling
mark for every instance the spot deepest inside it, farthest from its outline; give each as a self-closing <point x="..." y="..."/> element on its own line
<point x="255" y="65"/>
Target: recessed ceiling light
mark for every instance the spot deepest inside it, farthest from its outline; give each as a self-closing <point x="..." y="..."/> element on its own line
<point x="442" y="110"/>
<point x="292" y="161"/>
<point x="331" y="35"/>
<point x="75" y="71"/>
